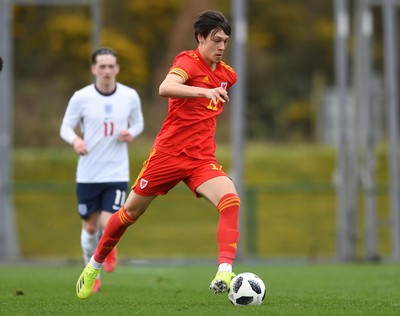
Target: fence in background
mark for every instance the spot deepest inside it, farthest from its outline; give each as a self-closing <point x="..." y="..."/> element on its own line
<point x="281" y="221"/>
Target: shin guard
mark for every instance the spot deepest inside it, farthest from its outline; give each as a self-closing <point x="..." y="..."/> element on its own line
<point x="115" y="228"/>
<point x="228" y="228"/>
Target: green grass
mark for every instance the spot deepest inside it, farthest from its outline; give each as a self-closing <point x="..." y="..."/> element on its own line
<point x="139" y="289"/>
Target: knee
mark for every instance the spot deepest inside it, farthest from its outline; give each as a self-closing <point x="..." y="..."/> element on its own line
<point x="136" y="205"/>
<point x="90" y="228"/>
<point x="229" y="201"/>
<point x="134" y="212"/>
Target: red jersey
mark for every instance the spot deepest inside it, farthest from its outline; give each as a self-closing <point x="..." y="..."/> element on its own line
<point x="190" y="124"/>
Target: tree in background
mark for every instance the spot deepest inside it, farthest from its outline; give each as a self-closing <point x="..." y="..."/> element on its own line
<point x="290" y="45"/>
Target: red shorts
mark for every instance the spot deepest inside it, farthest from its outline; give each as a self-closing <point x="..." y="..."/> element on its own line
<point x="161" y="172"/>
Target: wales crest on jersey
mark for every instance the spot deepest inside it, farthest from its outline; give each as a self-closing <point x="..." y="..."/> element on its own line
<point x="143" y="183"/>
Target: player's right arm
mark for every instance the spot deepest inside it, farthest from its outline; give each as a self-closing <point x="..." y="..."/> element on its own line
<point x="80" y="146"/>
<point x="69" y="123"/>
<point x="174" y="86"/>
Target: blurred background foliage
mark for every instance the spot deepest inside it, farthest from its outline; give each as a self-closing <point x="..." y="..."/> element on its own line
<point x="290" y="65"/>
<point x="290" y="56"/>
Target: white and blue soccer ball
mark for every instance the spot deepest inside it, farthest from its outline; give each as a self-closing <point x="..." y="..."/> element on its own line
<point x="246" y="289"/>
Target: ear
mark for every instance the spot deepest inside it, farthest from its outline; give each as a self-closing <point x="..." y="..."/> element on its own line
<point x="200" y="38"/>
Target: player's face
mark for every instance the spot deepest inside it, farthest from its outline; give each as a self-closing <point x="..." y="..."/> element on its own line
<point x="105" y="69"/>
<point x="213" y="46"/>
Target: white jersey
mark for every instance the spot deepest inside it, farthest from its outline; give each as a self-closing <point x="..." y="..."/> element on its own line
<point x="101" y="118"/>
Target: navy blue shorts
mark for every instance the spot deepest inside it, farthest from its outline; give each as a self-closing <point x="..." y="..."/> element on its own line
<point x="95" y="197"/>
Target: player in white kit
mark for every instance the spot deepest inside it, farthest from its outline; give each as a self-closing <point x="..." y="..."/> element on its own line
<point x="109" y="115"/>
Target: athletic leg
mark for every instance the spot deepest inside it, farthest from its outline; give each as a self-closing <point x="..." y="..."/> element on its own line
<point x="111" y="262"/>
<point x="89" y="239"/>
<point x="88" y="206"/>
<point x="158" y="175"/>
<point x="134" y="207"/>
<point x="113" y="198"/>
<point x="221" y="192"/>
<point x="89" y="236"/>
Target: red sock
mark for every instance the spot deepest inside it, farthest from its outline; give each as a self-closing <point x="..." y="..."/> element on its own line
<point x="115" y="228"/>
<point x="228" y="228"/>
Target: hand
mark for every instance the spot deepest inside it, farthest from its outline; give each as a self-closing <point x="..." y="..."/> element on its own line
<point x="80" y="146"/>
<point x="218" y="94"/>
<point x="125" y="136"/>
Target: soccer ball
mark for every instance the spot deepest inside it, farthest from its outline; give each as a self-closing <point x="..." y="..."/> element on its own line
<point x="246" y="289"/>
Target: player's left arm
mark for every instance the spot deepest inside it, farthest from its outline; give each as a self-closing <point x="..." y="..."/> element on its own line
<point x="125" y="136"/>
<point x="135" y="122"/>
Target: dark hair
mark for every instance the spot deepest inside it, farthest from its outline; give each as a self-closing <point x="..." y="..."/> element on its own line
<point x="102" y="51"/>
<point x="210" y="21"/>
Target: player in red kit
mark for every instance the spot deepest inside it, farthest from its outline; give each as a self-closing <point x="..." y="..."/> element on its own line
<point x="184" y="150"/>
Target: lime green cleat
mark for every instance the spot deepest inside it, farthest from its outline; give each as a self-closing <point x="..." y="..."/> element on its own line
<point x="85" y="284"/>
<point x="221" y="282"/>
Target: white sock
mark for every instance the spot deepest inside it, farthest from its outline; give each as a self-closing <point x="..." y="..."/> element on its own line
<point x="95" y="264"/>
<point x="226" y="267"/>
<point x="88" y="244"/>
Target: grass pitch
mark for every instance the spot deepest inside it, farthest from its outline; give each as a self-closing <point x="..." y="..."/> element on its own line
<point x="137" y="289"/>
